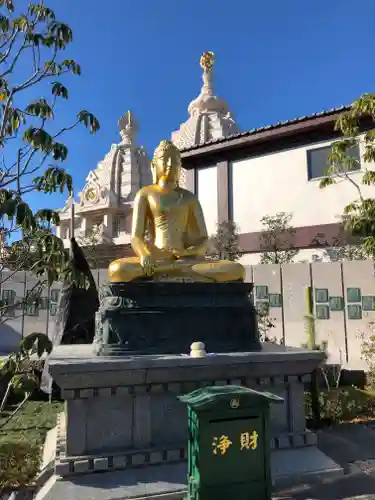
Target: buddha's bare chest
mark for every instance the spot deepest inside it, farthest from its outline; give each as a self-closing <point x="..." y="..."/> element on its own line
<point x="170" y="203"/>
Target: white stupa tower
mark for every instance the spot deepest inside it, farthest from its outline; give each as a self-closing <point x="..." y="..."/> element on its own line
<point x="209" y="115"/>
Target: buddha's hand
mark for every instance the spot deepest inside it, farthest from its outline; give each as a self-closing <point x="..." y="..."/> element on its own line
<point x="188" y="252"/>
<point x="148" y="265"/>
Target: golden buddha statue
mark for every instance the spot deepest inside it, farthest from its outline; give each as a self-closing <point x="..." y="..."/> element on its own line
<point x="169" y="234"/>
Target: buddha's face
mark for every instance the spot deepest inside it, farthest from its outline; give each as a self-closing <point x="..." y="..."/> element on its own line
<point x="167" y="166"/>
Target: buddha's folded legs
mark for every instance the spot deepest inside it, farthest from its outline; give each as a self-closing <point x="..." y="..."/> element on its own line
<point x="220" y="271"/>
<point x="129" y="269"/>
<point x="125" y="269"/>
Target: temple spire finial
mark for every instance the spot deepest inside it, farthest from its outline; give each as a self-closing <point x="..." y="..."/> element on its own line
<point x="128" y="128"/>
<point x="209" y="115"/>
<point x="207" y="62"/>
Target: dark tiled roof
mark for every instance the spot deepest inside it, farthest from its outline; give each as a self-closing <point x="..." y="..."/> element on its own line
<point x="253" y="131"/>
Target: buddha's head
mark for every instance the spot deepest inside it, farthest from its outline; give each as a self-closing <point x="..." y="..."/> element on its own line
<point x="166" y="164"/>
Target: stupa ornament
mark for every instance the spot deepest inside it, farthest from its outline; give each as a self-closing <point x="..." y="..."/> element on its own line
<point x="207" y="102"/>
<point x="128" y="128"/>
<point x="91" y="195"/>
<point x="207" y="60"/>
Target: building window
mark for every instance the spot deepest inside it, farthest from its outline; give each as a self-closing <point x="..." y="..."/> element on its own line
<point x="8" y="299"/>
<point x="53" y="309"/>
<point x="128" y="224"/>
<point x="54" y="295"/>
<point x="31" y="304"/>
<point x="64" y="232"/>
<point x="116" y="227"/>
<point x="43" y="303"/>
<point x="317" y="161"/>
<point x="32" y="310"/>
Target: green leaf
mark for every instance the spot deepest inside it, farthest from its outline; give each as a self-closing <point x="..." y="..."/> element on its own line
<point x="351" y="207"/>
<point x="369" y="246"/>
<point x="364" y="106"/>
<point x="43" y="13"/>
<point x="89" y="120"/>
<point x="8" y="365"/>
<point x="8" y="4"/>
<point x="52" y="68"/>
<point x="54" y="178"/>
<point x="24" y="383"/>
<point x="24" y="216"/>
<point x="4" y="24"/>
<point x="21" y="23"/>
<point x="59" y="151"/>
<point x="8" y="207"/>
<point x="40" y="340"/>
<point x="40" y="108"/>
<point x="5" y="194"/>
<point x="347" y="123"/>
<point x="369" y="178"/>
<point x="58" y="89"/>
<point x="13" y="120"/>
<point x="326" y="181"/>
<point x="61" y="33"/>
<point x="72" y="66"/>
<point x="48" y="215"/>
<point x="38" y="139"/>
<point x="52" y="276"/>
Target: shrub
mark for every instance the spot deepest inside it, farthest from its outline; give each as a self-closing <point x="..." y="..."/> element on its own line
<point x="23" y="371"/>
<point x="367" y="339"/>
<point x="341" y="405"/>
<point x="265" y="322"/>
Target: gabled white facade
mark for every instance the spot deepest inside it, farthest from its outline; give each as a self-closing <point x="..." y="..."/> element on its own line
<point x="103" y="212"/>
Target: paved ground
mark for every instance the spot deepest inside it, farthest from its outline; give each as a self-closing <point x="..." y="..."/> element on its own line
<point x="353" y="447"/>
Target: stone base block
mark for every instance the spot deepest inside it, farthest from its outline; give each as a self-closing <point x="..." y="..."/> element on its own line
<point x="169" y="482"/>
<point x="65" y="465"/>
<point x="128" y="406"/>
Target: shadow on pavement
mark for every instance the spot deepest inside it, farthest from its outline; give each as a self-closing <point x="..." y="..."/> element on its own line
<point x="357" y="486"/>
<point x="352" y="446"/>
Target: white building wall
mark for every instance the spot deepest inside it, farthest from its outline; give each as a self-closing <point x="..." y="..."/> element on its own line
<point x="207" y="195"/>
<point x="278" y="182"/>
<point x="304" y="255"/>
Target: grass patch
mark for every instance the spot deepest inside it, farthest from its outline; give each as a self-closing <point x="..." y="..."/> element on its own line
<point x="21" y="441"/>
<point x="32" y="423"/>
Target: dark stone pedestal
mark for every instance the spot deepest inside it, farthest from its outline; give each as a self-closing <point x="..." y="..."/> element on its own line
<point x="167" y="317"/>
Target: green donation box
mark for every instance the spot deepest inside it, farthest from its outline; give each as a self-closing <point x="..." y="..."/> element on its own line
<point x="229" y="443"/>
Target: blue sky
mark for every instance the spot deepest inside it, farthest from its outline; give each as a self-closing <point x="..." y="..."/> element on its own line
<point x="276" y="60"/>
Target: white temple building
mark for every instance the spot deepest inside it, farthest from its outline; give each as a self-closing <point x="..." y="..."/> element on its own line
<point x="103" y="213"/>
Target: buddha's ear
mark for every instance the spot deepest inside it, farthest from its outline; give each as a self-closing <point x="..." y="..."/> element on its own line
<point x="153" y="173"/>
